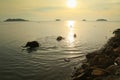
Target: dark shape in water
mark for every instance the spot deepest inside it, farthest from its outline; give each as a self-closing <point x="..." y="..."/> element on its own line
<point x="59" y="38"/>
<point x="75" y="35"/>
<point x="32" y="44"/>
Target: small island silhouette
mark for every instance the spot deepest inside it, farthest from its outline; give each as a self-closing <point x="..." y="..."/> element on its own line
<point x="84" y="20"/>
<point x="101" y="20"/>
<point x="58" y="19"/>
<point x="17" y="19"/>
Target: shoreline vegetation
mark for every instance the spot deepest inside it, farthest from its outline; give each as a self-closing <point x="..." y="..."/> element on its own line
<point x="13" y="20"/>
<point x="102" y="64"/>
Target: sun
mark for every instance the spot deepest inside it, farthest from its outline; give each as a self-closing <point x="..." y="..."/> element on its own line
<point x="71" y="3"/>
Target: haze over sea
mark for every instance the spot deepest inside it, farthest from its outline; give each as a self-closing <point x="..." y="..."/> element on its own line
<point x="47" y="62"/>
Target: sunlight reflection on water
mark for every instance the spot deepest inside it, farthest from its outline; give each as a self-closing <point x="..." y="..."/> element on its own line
<point x="70" y="37"/>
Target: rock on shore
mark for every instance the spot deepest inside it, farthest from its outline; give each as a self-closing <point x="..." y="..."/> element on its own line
<point x="103" y="64"/>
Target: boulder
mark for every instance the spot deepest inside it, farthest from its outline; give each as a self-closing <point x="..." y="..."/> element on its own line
<point x="102" y="61"/>
<point x="117" y="49"/>
<point x="112" y="69"/>
<point x="117" y="32"/>
<point x="59" y="38"/>
<point x="32" y="44"/>
<point x="117" y="61"/>
<point x="98" y="72"/>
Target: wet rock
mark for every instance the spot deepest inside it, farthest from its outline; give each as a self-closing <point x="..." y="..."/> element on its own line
<point x="103" y="64"/>
<point x="117" y="50"/>
<point x="98" y="72"/>
<point x="91" y="55"/>
<point x="111" y="77"/>
<point x="98" y="78"/>
<point x="102" y="61"/>
<point x="113" y="42"/>
<point x="117" y="32"/>
<point x="112" y="69"/>
<point x="78" y="72"/>
<point x="117" y="60"/>
<point x="59" y="38"/>
<point x="32" y="44"/>
<point x="117" y="73"/>
<point x="85" y="65"/>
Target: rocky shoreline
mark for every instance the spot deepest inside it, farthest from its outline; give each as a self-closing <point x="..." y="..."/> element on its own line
<point x="103" y="64"/>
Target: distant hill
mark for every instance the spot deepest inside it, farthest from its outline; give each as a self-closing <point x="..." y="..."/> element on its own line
<point x="84" y="20"/>
<point x="58" y="19"/>
<point x="11" y="20"/>
<point x="101" y="20"/>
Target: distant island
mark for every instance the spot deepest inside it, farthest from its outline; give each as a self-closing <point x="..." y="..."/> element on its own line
<point x="58" y="20"/>
<point x="101" y="20"/>
<point x="11" y="20"/>
<point x="84" y="20"/>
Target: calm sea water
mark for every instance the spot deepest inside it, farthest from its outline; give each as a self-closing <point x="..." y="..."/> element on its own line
<point x="47" y="63"/>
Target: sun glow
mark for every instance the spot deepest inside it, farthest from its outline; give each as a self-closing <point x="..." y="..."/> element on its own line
<point x="71" y="3"/>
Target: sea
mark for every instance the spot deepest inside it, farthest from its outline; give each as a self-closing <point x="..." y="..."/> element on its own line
<point x="48" y="62"/>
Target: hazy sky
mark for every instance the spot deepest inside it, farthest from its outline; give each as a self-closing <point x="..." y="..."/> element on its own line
<point x="52" y="9"/>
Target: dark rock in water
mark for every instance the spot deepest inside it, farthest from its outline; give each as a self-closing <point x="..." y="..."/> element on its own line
<point x="75" y="35"/>
<point x="59" y="38"/>
<point x="32" y="44"/>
